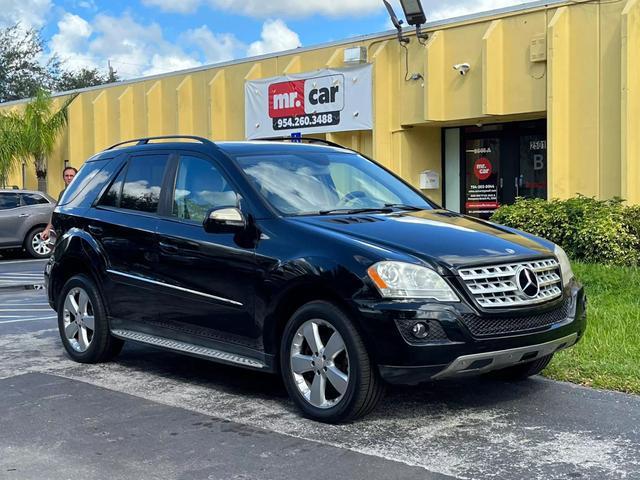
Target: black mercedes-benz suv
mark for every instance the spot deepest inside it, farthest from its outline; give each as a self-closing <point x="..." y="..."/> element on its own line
<point x="306" y="259"/>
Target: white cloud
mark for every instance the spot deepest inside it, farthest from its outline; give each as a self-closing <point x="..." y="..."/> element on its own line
<point x="281" y="8"/>
<point x="134" y="49"/>
<point x="215" y="47"/>
<point x="437" y="10"/>
<point x="180" y="6"/>
<point x="30" y="13"/>
<point x="70" y="42"/>
<point x="275" y="37"/>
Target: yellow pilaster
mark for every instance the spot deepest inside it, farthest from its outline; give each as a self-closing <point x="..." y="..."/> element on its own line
<point x="558" y="105"/>
<point x="382" y="102"/>
<point x="218" y="106"/>
<point x="155" y="110"/>
<point x="493" y="85"/>
<point x="435" y="104"/>
<point x="630" y="101"/>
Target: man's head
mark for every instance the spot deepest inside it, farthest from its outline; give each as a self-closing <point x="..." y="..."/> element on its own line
<point x="67" y="174"/>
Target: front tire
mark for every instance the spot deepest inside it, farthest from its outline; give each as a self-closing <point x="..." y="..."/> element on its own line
<point x="82" y="322"/>
<point x="325" y="365"/>
<point x="35" y="245"/>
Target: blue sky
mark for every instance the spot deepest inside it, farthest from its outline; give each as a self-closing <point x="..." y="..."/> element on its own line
<point x="144" y="37"/>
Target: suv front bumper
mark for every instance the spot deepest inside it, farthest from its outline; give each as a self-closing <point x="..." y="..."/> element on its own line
<point x="456" y="351"/>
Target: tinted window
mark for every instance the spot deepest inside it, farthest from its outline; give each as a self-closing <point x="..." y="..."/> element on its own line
<point x="142" y="184"/>
<point x="86" y="173"/>
<point x="199" y="188"/>
<point x="112" y="197"/>
<point x="33" y="199"/>
<point x="9" y="200"/>
<point x="306" y="183"/>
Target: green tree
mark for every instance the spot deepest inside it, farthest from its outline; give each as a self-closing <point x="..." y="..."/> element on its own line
<point x="9" y="151"/>
<point x="36" y="131"/>
<point x="83" y="78"/>
<point x="22" y="69"/>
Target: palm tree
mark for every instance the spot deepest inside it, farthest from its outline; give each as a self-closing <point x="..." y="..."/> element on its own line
<point x="38" y="128"/>
<point x="9" y="151"/>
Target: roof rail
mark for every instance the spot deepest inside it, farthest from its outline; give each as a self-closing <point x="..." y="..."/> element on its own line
<point x="304" y="139"/>
<point x="145" y="140"/>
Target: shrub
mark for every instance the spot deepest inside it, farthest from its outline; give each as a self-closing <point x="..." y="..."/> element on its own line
<point x="590" y="230"/>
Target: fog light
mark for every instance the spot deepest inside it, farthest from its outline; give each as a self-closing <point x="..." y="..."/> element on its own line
<point x="420" y="330"/>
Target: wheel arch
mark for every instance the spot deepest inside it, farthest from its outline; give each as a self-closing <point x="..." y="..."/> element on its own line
<point x="294" y="297"/>
<point x="76" y="253"/>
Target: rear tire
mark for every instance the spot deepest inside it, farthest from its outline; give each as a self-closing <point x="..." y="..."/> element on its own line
<point x="341" y="384"/>
<point x="82" y="322"/>
<point x="522" y="371"/>
<point x="35" y="246"/>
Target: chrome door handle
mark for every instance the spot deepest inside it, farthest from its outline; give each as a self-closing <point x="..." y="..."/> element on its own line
<point x="95" y="230"/>
<point x="22" y="215"/>
<point x="168" y="248"/>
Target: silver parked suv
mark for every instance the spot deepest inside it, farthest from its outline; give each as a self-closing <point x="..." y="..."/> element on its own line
<point x="24" y="215"/>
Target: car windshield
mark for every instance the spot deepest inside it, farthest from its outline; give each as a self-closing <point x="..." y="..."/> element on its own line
<point x="326" y="183"/>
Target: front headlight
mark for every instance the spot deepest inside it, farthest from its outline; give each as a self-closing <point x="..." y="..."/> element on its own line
<point x="405" y="280"/>
<point x="565" y="265"/>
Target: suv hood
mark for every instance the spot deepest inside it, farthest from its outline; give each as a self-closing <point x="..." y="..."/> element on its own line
<point x="445" y="237"/>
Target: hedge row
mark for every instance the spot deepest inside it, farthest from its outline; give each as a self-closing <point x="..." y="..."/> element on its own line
<point x="589" y="230"/>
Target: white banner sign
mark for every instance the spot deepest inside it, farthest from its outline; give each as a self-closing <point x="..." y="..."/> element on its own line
<point x="334" y="100"/>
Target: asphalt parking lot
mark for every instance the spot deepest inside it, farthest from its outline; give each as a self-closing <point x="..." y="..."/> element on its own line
<point x="152" y="414"/>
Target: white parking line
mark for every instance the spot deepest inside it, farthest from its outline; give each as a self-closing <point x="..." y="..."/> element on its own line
<point x="22" y="261"/>
<point x="24" y="305"/>
<point x="27" y="320"/>
<point x="17" y="310"/>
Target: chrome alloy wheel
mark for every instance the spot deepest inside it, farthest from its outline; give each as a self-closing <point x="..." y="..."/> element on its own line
<point x="78" y="319"/>
<point x="319" y="363"/>
<point x="40" y="246"/>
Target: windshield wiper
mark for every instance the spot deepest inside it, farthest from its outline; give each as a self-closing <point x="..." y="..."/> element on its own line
<point x="350" y="211"/>
<point x="403" y="206"/>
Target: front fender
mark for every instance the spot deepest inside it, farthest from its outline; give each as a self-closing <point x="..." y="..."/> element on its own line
<point x="288" y="285"/>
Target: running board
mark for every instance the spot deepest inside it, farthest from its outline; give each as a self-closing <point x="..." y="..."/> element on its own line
<point x="188" y="348"/>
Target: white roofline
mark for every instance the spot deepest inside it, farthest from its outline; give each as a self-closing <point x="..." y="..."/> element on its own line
<point x="360" y="38"/>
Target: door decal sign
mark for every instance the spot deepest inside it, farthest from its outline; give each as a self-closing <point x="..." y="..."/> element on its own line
<point x="482" y="168"/>
<point x="330" y="100"/>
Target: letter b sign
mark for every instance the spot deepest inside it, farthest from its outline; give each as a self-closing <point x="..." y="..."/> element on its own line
<point x="538" y="161"/>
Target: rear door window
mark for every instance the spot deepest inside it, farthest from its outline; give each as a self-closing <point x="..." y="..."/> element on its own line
<point x="9" y="200"/>
<point x="33" y="199"/>
<point x="143" y="182"/>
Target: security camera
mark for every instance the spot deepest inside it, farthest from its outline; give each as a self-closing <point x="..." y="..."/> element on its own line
<point x="462" y="68"/>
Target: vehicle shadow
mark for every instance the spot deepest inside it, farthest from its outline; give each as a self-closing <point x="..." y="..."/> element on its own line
<point x="404" y="401"/>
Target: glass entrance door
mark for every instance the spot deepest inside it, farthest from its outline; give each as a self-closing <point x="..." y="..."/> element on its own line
<point x="532" y="178"/>
<point x="482" y="171"/>
<point x="500" y="163"/>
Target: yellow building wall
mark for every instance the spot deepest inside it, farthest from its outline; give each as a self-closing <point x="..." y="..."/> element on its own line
<point x="587" y="89"/>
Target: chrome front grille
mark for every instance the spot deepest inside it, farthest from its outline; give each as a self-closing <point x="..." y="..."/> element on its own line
<point x="495" y="286"/>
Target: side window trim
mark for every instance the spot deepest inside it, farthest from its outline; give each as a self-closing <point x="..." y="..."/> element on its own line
<point x="168" y="185"/>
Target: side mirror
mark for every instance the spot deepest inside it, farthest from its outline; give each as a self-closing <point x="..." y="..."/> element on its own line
<point x="224" y="220"/>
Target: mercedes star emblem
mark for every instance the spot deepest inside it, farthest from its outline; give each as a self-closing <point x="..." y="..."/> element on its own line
<point x="527" y="282"/>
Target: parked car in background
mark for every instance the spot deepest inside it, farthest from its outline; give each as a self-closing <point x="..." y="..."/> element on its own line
<point x="311" y="261"/>
<point x="24" y="214"/>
